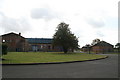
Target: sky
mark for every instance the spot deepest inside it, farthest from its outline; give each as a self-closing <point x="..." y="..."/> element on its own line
<point x="87" y="19"/>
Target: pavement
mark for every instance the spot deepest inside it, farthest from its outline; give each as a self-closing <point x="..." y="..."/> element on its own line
<point x="104" y="68"/>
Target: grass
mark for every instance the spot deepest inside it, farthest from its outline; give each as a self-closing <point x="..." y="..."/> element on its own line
<point x="114" y="53"/>
<point x="46" y="57"/>
<point x="106" y="52"/>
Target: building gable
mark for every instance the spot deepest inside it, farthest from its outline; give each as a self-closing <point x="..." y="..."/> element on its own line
<point x="12" y="34"/>
<point x="15" y="42"/>
<point x="102" y="47"/>
<point x="103" y="43"/>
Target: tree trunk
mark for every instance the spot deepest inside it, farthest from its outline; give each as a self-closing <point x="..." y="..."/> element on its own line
<point x="65" y="50"/>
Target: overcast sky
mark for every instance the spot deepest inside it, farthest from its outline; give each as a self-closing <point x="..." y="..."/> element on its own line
<point x="88" y="19"/>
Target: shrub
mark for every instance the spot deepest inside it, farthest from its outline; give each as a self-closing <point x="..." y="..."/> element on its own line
<point x="4" y="49"/>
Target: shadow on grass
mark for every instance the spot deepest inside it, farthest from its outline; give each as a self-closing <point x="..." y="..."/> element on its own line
<point x="69" y="53"/>
<point x="3" y="59"/>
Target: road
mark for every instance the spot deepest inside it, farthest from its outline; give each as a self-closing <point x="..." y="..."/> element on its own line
<point x="105" y="68"/>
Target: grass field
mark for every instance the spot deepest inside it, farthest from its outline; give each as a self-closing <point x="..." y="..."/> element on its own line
<point x="46" y="57"/>
<point x="114" y="53"/>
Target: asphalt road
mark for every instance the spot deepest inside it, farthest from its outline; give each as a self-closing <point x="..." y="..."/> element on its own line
<point x="105" y="68"/>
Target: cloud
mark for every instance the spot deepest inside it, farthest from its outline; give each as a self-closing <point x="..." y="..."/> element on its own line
<point x="1" y="3"/>
<point x="96" y="23"/>
<point x="99" y="34"/>
<point x="10" y="24"/>
<point x="1" y="14"/>
<point x="43" y="13"/>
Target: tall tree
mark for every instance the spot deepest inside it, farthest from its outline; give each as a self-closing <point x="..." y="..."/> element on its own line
<point x="65" y="38"/>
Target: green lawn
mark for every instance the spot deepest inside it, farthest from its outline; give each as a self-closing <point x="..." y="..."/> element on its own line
<point x="113" y="53"/>
<point x="43" y="57"/>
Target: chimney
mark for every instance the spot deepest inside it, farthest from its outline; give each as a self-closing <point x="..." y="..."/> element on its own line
<point x="19" y="34"/>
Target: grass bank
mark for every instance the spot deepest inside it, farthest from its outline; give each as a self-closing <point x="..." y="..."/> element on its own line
<point x="46" y="57"/>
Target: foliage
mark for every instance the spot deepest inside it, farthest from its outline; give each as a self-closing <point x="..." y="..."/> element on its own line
<point x="95" y="41"/>
<point x="46" y="57"/>
<point x="65" y="38"/>
<point x="4" y="49"/>
<point x="118" y="46"/>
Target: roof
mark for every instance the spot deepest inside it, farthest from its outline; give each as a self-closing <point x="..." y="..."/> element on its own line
<point x="12" y="33"/>
<point x="86" y="46"/>
<point x="40" y="40"/>
<point x="103" y="43"/>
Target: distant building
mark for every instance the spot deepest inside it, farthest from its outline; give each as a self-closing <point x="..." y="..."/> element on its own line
<point x="15" y="42"/>
<point x="42" y="44"/>
<point x="86" y="48"/>
<point x="98" y="47"/>
<point x="102" y="47"/>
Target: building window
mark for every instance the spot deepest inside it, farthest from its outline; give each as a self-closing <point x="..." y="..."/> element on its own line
<point x="41" y="47"/>
<point x="34" y="47"/>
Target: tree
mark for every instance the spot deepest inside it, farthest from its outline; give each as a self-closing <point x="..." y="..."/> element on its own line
<point x="95" y="41"/>
<point x="118" y="46"/>
<point x="65" y="38"/>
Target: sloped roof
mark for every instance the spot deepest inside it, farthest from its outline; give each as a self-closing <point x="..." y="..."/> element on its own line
<point x="40" y="40"/>
<point x="12" y="33"/>
<point x="103" y="43"/>
<point x="86" y="46"/>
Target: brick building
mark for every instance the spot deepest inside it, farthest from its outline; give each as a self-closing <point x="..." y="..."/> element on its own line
<point x="15" y="42"/>
<point x="42" y="44"/>
<point x="102" y="47"/>
<point x="18" y="43"/>
<point x="99" y="47"/>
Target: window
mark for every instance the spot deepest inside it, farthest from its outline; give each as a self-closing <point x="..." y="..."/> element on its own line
<point x="41" y="46"/>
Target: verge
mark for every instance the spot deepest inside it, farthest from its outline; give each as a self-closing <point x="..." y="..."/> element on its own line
<point x="55" y="62"/>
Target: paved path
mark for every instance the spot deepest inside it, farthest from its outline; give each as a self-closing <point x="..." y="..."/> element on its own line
<point x="105" y="68"/>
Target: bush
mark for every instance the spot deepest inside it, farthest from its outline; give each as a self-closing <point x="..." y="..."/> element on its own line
<point x="4" y="49"/>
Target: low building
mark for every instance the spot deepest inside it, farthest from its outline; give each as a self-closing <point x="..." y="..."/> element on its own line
<point x="102" y="47"/>
<point x="15" y="42"/>
<point x="42" y="44"/>
<point x="84" y="49"/>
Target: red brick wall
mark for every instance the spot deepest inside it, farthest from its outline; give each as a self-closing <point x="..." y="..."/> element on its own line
<point x="15" y="42"/>
<point x="102" y="49"/>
